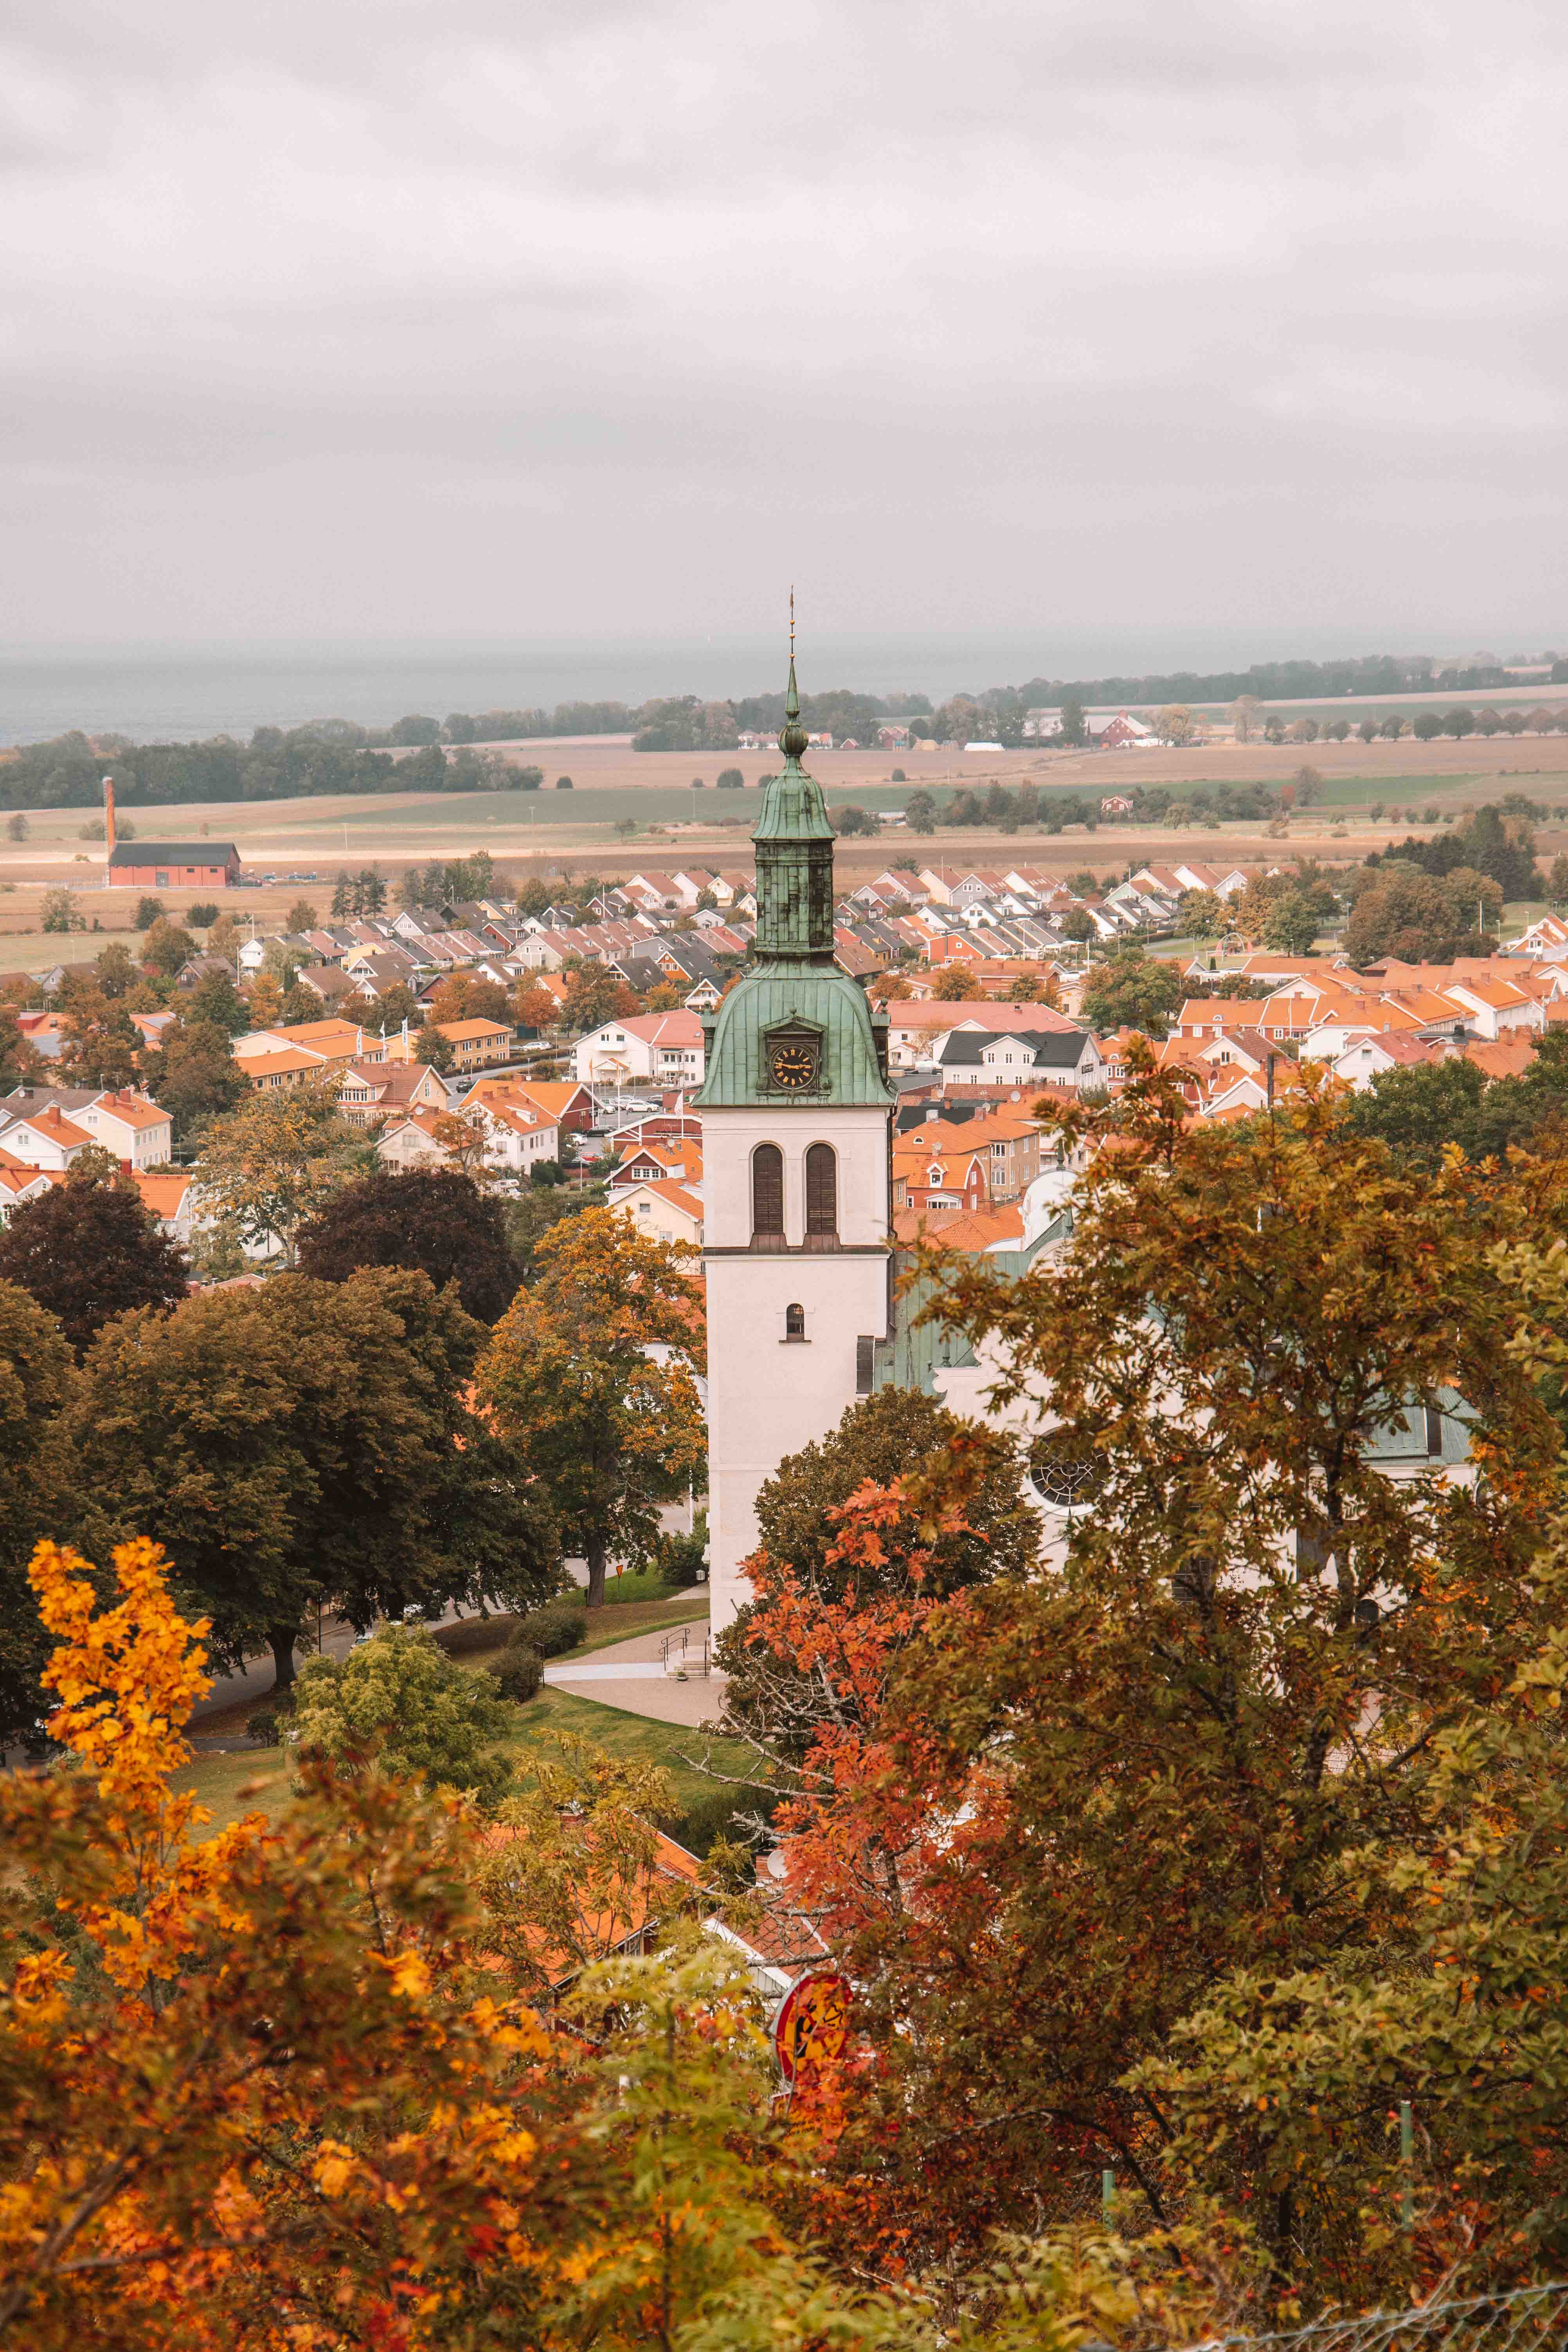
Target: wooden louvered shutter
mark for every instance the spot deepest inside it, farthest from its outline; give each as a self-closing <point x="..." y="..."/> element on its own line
<point x="822" y="1190"/>
<point x="767" y="1190"/>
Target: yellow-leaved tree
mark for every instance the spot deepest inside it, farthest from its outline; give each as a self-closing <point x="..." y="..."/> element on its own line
<point x="273" y="2087"/>
<point x="592" y="1369"/>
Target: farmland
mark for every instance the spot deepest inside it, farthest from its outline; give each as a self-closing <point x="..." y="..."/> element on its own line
<point x="672" y="822"/>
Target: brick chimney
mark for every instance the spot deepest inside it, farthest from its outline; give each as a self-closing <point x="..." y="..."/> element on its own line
<point x="108" y="818"/>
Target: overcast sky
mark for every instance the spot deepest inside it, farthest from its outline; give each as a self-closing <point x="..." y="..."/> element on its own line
<point x="374" y="319"/>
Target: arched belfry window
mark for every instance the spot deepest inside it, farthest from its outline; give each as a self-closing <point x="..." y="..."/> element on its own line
<point x="767" y="1194"/>
<point x="794" y="1322"/>
<point x="821" y="1194"/>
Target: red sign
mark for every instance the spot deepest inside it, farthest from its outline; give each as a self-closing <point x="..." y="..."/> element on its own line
<point x="813" y="2024"/>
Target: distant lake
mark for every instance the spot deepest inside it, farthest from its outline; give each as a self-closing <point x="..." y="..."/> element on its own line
<point x="170" y="693"/>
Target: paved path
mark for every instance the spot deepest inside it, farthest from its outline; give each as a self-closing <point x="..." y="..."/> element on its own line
<point x="631" y="1676"/>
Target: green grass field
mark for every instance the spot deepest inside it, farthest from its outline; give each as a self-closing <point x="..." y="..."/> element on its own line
<point x="258" y="1781"/>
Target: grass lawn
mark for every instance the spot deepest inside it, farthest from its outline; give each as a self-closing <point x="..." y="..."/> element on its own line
<point x="263" y="1773"/>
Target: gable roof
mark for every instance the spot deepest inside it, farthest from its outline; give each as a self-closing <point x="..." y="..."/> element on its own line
<point x="172" y="853"/>
<point x="1052" y="1048"/>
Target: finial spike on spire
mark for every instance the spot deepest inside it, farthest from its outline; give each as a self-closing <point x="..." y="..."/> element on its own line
<point x="792" y="735"/>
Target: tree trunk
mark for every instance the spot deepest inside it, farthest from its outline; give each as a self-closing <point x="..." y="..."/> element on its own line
<point x="282" y="1639"/>
<point x="593" y="1553"/>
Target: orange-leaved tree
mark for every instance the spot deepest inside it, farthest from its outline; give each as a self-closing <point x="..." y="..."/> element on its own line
<point x="273" y="2085"/>
<point x="593" y="1371"/>
<point x="1294" y="1394"/>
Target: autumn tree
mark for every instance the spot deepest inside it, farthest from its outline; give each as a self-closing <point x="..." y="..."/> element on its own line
<point x="284" y="2069"/>
<point x="1298" y="2077"/>
<point x="168" y="948"/>
<point x="463" y="996"/>
<point x="595" y="995"/>
<point x="1254" y="1355"/>
<point x="895" y="1441"/>
<point x="532" y="1006"/>
<point x="306" y="1445"/>
<point x="87" y="1250"/>
<point x="193" y="1075"/>
<point x="952" y="983"/>
<point x="34" y="1365"/>
<point x="1132" y="990"/>
<point x="572" y="1858"/>
<point x="216" y="998"/>
<point x="399" y="1702"/>
<point x="1201" y="914"/>
<point x="531" y="1215"/>
<point x="592" y="1371"/>
<point x="434" y="1219"/>
<point x="275" y="1160"/>
<point x="99" y="1042"/>
<point x="1291" y="926"/>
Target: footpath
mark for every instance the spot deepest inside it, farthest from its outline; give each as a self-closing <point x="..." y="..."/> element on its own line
<point x="664" y="1676"/>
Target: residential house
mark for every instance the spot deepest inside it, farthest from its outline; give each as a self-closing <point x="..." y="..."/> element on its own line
<point x="408" y="1139"/>
<point x="369" y="1093"/>
<point x="125" y="1123"/>
<point x="563" y="1102"/>
<point x="20" y="1182"/>
<point x="1056" y="1057"/>
<point x="171" y="1196"/>
<point x="661" y="1046"/>
<point x="520" y="1137"/>
<point x="45" y="1138"/>
<point x="476" y="1044"/>
<point x="1011" y="1139"/>
<point x="664" y="1209"/>
<point x="329" y="982"/>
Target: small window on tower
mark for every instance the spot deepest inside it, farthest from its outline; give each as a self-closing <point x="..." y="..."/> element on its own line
<point x="794" y="1322"/>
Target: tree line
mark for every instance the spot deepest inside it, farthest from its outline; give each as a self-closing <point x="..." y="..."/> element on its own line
<point x="437" y="1393"/>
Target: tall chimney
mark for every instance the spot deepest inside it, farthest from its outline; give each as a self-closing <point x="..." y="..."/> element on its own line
<point x="108" y="819"/>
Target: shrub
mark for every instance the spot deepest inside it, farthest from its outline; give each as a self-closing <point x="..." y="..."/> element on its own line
<point x="148" y="912"/>
<point x="519" y="1671"/>
<point x="679" y="1558"/>
<point x="722" y="1813"/>
<point x="555" y="1627"/>
<point x="471" y="1636"/>
<point x="203" y="914"/>
<point x="900" y="777"/>
<point x="565" y="785"/>
<point x="729" y="779"/>
<point x="268" y="1726"/>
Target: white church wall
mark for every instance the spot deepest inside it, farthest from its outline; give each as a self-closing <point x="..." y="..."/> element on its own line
<point x="769" y="1394"/>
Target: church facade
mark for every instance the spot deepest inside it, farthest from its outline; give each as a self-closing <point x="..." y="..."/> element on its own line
<point x="796" y="1135"/>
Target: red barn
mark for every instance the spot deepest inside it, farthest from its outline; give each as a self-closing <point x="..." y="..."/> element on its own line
<point x="175" y="865"/>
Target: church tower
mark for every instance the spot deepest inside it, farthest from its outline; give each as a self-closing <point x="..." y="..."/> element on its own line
<point x="796" y="1119"/>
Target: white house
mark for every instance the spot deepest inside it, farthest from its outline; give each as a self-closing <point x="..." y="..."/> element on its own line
<point x="664" y="1209"/>
<point x="658" y="1048"/>
<point x="45" y="1138"/>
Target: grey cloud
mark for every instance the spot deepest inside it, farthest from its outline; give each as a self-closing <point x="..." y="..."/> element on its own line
<point x="381" y="318"/>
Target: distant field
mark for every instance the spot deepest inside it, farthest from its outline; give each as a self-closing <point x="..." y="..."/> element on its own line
<point x="548" y="832"/>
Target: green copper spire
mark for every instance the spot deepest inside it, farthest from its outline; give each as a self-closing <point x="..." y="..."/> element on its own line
<point x="794" y="852"/>
<point x="794" y="996"/>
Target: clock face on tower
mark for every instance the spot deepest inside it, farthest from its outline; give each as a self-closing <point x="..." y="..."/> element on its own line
<point x="792" y="1063"/>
